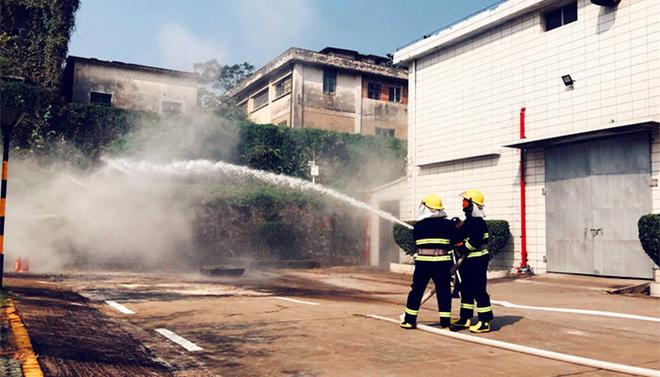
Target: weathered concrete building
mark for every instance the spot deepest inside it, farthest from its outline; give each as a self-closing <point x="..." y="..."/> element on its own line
<point x="333" y="89"/>
<point x="551" y="108"/>
<point x="129" y="86"/>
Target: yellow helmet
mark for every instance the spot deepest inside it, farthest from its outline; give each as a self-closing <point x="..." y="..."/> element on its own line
<point x="475" y="196"/>
<point x="433" y="201"/>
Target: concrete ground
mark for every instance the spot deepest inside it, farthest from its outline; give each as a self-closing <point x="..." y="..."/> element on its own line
<point x="313" y="323"/>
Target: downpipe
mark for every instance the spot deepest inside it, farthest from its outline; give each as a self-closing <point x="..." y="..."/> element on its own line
<point x="524" y="267"/>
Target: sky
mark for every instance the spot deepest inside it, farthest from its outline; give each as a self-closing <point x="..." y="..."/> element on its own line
<point x="176" y="34"/>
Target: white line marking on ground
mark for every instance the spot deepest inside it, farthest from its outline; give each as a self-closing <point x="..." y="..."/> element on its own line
<point x="297" y="301"/>
<point x="507" y="304"/>
<point x="183" y="342"/>
<point x="119" y="307"/>
<point x="575" y="332"/>
<point x="622" y="368"/>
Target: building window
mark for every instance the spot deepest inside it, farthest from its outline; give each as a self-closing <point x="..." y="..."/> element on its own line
<point x="243" y="107"/>
<point x="561" y="16"/>
<point x="373" y="90"/>
<point x="260" y="99"/>
<point x="98" y="98"/>
<point x="171" y="107"/>
<point x="395" y="94"/>
<point x="329" y="81"/>
<point x="283" y="87"/>
<point x="389" y="132"/>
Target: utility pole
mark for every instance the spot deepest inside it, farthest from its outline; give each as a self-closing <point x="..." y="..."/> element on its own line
<point x="9" y="120"/>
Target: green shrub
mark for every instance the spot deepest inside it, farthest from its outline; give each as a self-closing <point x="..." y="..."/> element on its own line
<point x="92" y="128"/>
<point x="345" y="160"/>
<point x="265" y="196"/>
<point x="499" y="235"/>
<point x="51" y="124"/>
<point x="404" y="238"/>
<point x="649" y="236"/>
<point x="267" y="222"/>
<point x="498" y="231"/>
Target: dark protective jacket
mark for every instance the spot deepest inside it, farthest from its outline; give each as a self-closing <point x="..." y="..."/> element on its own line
<point x="473" y="236"/>
<point x="434" y="233"/>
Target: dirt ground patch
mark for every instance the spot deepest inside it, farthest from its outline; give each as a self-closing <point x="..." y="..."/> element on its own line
<point x="73" y="338"/>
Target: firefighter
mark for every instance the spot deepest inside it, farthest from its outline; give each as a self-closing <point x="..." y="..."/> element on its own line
<point x="473" y="234"/>
<point x="433" y="235"/>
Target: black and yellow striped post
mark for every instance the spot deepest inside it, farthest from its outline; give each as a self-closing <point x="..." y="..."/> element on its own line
<point x="7" y="126"/>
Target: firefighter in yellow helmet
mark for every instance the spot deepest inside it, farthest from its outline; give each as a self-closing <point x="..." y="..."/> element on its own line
<point x="473" y="246"/>
<point x="433" y="235"/>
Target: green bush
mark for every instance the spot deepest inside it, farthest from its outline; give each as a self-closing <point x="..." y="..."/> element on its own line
<point x="649" y="236"/>
<point x="265" y="196"/>
<point x="24" y="97"/>
<point x="51" y="124"/>
<point x="345" y="160"/>
<point x="263" y="223"/>
<point x="498" y="231"/>
<point x="404" y="238"/>
<point x="499" y="235"/>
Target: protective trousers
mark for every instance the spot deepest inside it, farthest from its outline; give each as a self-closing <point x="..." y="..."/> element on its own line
<point x="473" y="288"/>
<point x="440" y="273"/>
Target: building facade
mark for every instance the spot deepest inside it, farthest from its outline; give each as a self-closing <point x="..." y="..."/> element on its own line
<point x="382" y="249"/>
<point x="129" y="86"/>
<point x="333" y="89"/>
<point x="551" y="108"/>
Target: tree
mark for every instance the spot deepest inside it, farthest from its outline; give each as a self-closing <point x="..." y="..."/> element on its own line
<point x="222" y="78"/>
<point x="216" y="80"/>
<point x="34" y="38"/>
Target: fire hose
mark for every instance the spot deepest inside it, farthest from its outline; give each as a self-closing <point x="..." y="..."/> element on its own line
<point x="452" y="271"/>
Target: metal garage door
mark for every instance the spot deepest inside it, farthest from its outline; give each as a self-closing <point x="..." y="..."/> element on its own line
<point x="595" y="193"/>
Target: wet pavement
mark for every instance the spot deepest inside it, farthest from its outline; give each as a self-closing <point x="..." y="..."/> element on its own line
<point x="313" y="323"/>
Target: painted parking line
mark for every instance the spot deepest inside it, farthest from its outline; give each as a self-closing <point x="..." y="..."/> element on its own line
<point x="183" y="342"/>
<point x="622" y="368"/>
<point x="507" y="304"/>
<point x="119" y="307"/>
<point x="296" y="301"/>
<point x="25" y="354"/>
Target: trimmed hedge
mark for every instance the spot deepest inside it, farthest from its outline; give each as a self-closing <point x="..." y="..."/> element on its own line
<point x="345" y="160"/>
<point x="498" y="235"/>
<point x="649" y="236"/>
<point x="498" y="230"/>
<point x="404" y="238"/>
<point x="265" y="222"/>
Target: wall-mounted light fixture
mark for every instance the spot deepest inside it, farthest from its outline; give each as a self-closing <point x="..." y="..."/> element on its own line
<point x="606" y="3"/>
<point x="568" y="80"/>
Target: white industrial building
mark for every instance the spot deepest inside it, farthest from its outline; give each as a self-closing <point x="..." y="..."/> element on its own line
<point x="573" y="86"/>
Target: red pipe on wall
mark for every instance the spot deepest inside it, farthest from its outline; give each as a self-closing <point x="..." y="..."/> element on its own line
<point x="523" y="224"/>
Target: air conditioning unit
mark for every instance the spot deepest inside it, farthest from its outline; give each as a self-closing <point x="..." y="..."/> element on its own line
<point x="606" y="3"/>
